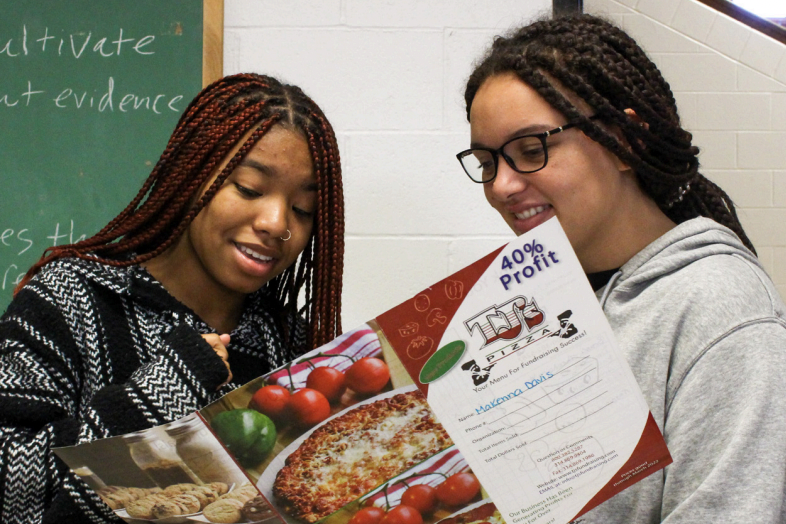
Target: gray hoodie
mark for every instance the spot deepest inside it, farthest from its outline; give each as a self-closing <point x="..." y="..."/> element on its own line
<point x="704" y="331"/>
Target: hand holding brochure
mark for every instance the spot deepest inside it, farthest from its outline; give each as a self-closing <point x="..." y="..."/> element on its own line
<point x="506" y="373"/>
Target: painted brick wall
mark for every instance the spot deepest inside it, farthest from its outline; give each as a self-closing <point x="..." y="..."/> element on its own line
<point x="389" y="74"/>
<point x="730" y="84"/>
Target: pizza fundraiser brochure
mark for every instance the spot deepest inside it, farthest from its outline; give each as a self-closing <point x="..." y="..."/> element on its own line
<point x="497" y="395"/>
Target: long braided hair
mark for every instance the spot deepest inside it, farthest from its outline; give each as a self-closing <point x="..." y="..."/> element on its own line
<point x="213" y="123"/>
<point x="604" y="67"/>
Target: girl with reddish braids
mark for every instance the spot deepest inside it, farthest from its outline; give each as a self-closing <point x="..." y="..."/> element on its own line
<point x="190" y="291"/>
<point x="570" y="119"/>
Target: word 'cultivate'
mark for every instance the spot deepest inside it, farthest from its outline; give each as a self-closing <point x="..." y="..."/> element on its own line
<point x="73" y="45"/>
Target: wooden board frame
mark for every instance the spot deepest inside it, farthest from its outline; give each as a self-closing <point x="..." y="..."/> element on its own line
<point x="212" y="41"/>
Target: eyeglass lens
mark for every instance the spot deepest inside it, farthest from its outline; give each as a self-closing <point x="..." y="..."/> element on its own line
<point x="527" y="154"/>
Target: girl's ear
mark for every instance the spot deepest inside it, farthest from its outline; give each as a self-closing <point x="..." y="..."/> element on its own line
<point x="636" y="118"/>
<point x="616" y="131"/>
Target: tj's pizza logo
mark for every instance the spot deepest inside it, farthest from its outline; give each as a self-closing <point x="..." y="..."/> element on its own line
<point x="520" y="322"/>
<point x="507" y="321"/>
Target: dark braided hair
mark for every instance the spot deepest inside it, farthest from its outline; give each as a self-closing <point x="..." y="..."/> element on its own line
<point x="605" y="68"/>
<point x="214" y="122"/>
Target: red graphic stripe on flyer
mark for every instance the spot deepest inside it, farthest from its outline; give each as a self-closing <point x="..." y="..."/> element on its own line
<point x="649" y="456"/>
<point x="415" y="327"/>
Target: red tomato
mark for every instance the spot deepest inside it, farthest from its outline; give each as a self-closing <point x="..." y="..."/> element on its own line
<point x="368" y="375"/>
<point x="328" y="381"/>
<point x="402" y="514"/>
<point x="422" y="497"/>
<point x="458" y="489"/>
<point x="369" y="515"/>
<point x="270" y="400"/>
<point x="309" y="406"/>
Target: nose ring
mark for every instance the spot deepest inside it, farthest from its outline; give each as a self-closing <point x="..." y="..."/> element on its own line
<point x="290" y="236"/>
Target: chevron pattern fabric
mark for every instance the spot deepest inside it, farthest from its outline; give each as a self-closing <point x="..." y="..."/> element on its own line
<point x="90" y="351"/>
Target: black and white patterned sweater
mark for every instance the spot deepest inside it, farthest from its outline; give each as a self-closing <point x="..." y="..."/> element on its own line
<point x="90" y="351"/>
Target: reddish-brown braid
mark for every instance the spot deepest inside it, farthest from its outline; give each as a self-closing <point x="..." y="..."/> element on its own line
<point x="603" y="66"/>
<point x="213" y="124"/>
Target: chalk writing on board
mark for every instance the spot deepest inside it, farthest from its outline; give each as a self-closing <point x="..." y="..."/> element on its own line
<point x="89" y="95"/>
<point x="15" y="242"/>
<point x="105" y="98"/>
<point x="75" y="45"/>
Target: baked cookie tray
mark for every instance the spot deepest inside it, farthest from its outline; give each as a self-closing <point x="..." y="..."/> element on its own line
<point x="179" y="519"/>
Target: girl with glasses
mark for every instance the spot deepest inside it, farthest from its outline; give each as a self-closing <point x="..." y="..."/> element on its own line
<point x="189" y="292"/>
<point x="570" y="118"/>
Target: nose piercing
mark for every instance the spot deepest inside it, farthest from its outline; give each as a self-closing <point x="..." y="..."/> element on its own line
<point x="290" y="236"/>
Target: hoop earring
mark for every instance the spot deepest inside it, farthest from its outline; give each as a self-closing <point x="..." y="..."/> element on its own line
<point x="290" y="236"/>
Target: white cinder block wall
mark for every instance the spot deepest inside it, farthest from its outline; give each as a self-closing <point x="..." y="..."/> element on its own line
<point x="390" y="74"/>
<point x="730" y="84"/>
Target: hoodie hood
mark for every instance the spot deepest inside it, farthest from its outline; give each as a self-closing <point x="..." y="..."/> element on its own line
<point x="690" y="241"/>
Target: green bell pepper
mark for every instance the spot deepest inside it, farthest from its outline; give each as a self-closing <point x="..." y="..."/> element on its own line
<point x="248" y="434"/>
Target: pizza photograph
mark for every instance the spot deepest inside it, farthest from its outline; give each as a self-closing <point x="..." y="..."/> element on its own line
<point x="356" y="452"/>
<point x="339" y="436"/>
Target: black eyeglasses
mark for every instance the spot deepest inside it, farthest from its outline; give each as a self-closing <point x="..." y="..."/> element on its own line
<point x="524" y="154"/>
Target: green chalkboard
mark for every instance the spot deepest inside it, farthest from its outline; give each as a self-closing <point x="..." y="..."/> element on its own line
<point x="89" y="94"/>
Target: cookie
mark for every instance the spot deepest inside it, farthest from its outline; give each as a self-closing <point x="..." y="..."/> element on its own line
<point x="224" y="511"/>
<point x="137" y="493"/>
<point x="141" y="509"/>
<point x="117" y="497"/>
<point x="183" y="504"/>
<point x="113" y="502"/>
<point x="188" y="501"/>
<point x="205" y="494"/>
<point x="174" y="489"/>
<point x="256" y="509"/>
<point x="243" y="493"/>
<point x="219" y="487"/>
<point x="166" y="508"/>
